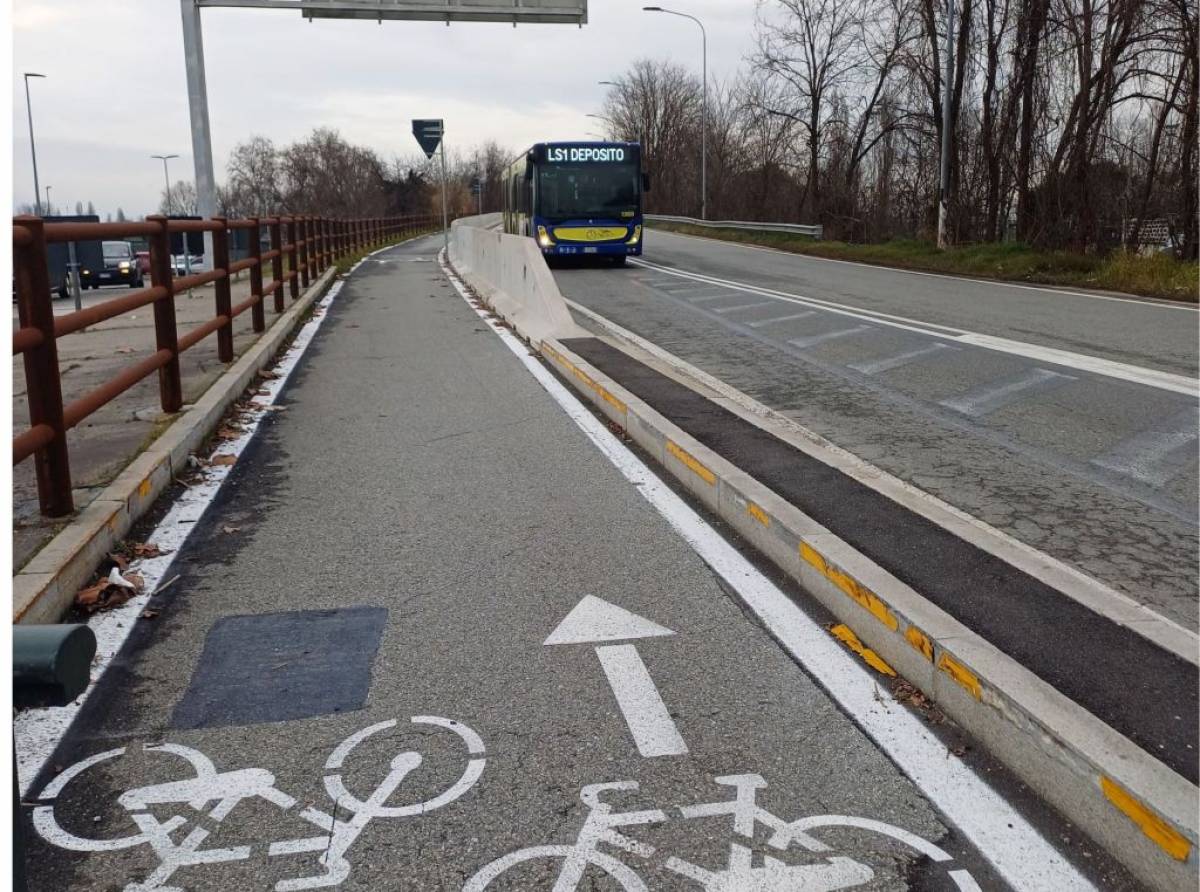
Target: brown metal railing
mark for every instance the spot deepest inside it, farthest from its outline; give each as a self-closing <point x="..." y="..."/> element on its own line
<point x="312" y="245"/>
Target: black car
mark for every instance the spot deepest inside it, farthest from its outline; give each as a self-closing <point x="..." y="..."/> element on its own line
<point x="120" y="267"/>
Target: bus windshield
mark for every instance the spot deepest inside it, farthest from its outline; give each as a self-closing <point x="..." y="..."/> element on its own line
<point x="566" y="191"/>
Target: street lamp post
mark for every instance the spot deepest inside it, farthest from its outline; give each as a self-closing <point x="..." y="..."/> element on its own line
<point x="166" y="177"/>
<point x="703" y="107"/>
<point x="37" y="191"/>
<point x="48" y="208"/>
<point x="943" y="235"/>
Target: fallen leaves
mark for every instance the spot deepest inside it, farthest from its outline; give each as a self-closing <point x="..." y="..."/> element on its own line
<point x="231" y="530"/>
<point x="124" y="350"/>
<point x="904" y="692"/>
<point x="113" y="590"/>
<point x="145" y="550"/>
<point x="224" y="459"/>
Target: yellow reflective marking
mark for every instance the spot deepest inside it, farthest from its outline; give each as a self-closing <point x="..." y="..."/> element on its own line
<point x="858" y="592"/>
<point x="1162" y="833"/>
<point x="696" y="468"/>
<point x="961" y="674"/>
<point x="612" y="400"/>
<point x="920" y="642"/>
<point x="590" y="233"/>
<point x="579" y="373"/>
<point x="844" y="634"/>
<point x="758" y="514"/>
<point x="144" y="488"/>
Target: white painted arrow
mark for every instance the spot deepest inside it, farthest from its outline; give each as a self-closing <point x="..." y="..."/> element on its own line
<point x="594" y="619"/>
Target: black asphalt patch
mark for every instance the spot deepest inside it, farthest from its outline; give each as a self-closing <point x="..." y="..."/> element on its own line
<point x="1146" y="693"/>
<point x="278" y="667"/>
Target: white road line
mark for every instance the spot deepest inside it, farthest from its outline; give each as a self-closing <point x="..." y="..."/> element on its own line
<point x="707" y="297"/>
<point x="765" y="303"/>
<point x="812" y="340"/>
<point x="1080" y="361"/>
<point x="1046" y="289"/>
<point x="651" y="725"/>
<point x="1154" y="455"/>
<point x="1018" y="852"/>
<point x="887" y="363"/>
<point x="759" y="323"/>
<point x="38" y="731"/>
<point x="998" y="394"/>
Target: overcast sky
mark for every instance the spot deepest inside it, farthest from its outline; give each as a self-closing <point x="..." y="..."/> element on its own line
<point x="116" y="94"/>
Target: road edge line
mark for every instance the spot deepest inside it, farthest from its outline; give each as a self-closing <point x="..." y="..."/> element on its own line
<point x="1061" y="750"/>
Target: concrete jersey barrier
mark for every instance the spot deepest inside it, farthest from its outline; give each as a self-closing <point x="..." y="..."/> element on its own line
<point x="510" y="274"/>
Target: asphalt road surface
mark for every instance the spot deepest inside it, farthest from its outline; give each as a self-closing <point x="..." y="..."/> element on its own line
<point x="1067" y="420"/>
<point x="425" y="618"/>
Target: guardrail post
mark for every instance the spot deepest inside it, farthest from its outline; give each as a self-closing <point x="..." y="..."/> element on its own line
<point x="305" y="262"/>
<point x="323" y="238"/>
<point x="293" y="255"/>
<point x="42" y="382"/>
<point x="258" y="319"/>
<point x="318" y="259"/>
<point x="222" y="290"/>
<point x="166" y="334"/>
<point x="277" y="261"/>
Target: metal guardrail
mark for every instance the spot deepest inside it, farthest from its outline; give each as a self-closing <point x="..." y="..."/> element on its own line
<point x="313" y="244"/>
<point x="813" y="231"/>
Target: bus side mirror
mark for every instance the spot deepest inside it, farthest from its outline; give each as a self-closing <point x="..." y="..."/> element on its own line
<point x="645" y="182"/>
<point x="529" y="174"/>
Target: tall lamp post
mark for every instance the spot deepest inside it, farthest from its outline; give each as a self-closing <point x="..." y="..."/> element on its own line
<point x="48" y="208"/>
<point x="37" y="189"/>
<point x="166" y="177"/>
<point x="703" y="107"/>
<point x="943" y="234"/>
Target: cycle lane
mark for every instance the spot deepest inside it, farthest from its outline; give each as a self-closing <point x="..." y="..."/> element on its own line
<point x="423" y="622"/>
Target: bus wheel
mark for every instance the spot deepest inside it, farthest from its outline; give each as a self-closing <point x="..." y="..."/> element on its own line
<point x="619" y="261"/>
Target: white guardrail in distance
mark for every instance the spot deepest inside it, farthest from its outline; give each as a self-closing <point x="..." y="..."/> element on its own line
<point x="814" y="231"/>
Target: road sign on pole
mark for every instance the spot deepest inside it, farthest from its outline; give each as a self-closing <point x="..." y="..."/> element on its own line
<point x="428" y="132"/>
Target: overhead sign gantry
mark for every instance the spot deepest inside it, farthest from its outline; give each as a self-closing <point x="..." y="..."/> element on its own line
<point x="514" y="12"/>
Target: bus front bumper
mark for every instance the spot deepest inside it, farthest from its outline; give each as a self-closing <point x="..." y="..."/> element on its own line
<point x="609" y="249"/>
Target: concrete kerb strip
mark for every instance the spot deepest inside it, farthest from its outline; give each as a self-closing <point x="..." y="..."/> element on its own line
<point x="1140" y="810"/>
<point x="46" y="586"/>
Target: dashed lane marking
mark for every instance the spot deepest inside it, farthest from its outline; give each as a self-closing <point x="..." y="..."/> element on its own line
<point x="887" y="363"/>
<point x="995" y="395"/>
<point x="812" y="340"/>
<point x="760" y="323"/>
<point x="1157" y="454"/>
<point x="740" y="307"/>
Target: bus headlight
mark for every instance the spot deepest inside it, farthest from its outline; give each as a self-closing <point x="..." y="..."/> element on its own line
<point x="636" y="237"/>
<point x="543" y="237"/>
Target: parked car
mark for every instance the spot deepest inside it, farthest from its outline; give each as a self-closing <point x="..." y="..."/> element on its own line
<point x="179" y="264"/>
<point x="118" y="266"/>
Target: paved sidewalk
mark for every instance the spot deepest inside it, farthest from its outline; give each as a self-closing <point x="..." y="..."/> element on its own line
<point x="429" y="637"/>
<point x="114" y="435"/>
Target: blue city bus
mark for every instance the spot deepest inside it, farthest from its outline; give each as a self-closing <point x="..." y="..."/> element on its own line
<point x="578" y="198"/>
